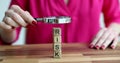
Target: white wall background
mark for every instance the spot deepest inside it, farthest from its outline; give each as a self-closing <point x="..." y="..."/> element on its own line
<point x="4" y="6"/>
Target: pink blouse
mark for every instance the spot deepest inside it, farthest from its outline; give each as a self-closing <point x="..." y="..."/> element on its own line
<point x="85" y="16"/>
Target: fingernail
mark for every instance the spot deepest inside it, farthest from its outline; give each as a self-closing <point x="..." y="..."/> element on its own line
<point x="34" y="22"/>
<point x="91" y="46"/>
<point x="13" y="27"/>
<point x="103" y="46"/>
<point x="97" y="47"/>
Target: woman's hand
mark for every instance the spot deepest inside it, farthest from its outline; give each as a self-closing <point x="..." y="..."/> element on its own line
<point x="106" y="37"/>
<point x="16" y="17"/>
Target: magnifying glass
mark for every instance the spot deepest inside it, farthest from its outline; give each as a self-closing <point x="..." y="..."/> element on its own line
<point x="55" y="20"/>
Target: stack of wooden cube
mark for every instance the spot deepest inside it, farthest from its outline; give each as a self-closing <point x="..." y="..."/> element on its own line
<point x="57" y="42"/>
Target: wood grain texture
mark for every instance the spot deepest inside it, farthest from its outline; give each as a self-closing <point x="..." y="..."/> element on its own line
<point x="71" y="53"/>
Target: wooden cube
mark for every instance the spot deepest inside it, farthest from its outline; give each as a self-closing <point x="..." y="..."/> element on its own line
<point x="57" y="39"/>
<point x="56" y="31"/>
<point x="57" y="54"/>
<point x="57" y="47"/>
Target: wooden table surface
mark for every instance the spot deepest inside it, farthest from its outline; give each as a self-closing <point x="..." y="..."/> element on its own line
<point x="71" y="53"/>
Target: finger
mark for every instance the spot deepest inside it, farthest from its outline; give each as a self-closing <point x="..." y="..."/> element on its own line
<point x="34" y="21"/>
<point x="115" y="41"/>
<point x="100" y="33"/>
<point x="23" y="14"/>
<point x="5" y="26"/>
<point x="108" y="41"/>
<point x="10" y="22"/>
<point x="17" y="18"/>
<point x="102" y="38"/>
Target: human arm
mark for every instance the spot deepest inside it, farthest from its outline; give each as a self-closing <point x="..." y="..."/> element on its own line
<point x="15" y="17"/>
<point x="108" y="36"/>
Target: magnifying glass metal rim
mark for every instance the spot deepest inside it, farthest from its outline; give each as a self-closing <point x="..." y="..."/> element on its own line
<point x="55" y="20"/>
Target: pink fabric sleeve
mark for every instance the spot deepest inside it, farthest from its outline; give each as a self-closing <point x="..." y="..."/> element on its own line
<point x="22" y="3"/>
<point x="111" y="11"/>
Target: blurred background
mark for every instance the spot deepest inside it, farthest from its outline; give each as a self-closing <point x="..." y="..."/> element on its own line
<point x="4" y="4"/>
